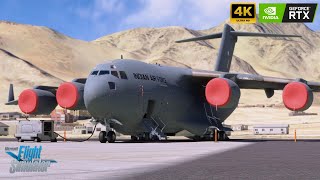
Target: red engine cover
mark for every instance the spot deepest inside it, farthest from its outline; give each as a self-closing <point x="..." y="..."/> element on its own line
<point x="221" y="92"/>
<point x="28" y="101"/>
<point x="67" y="95"/>
<point x="37" y="101"/>
<point x="297" y="96"/>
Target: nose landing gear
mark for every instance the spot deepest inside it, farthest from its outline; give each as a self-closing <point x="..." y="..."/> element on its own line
<point x="110" y="137"/>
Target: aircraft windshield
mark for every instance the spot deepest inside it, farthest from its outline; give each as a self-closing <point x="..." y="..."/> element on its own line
<point x="94" y="73"/>
<point x="123" y="75"/>
<point x="104" y="72"/>
<point x="115" y="73"/>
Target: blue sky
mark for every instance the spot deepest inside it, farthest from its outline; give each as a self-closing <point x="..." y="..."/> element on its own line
<point x="91" y="19"/>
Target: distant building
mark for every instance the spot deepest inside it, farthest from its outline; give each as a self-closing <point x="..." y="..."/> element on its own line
<point x="67" y="116"/>
<point x="4" y="129"/>
<point x="271" y="129"/>
<point x="88" y="128"/>
<point x="10" y="115"/>
<point x="239" y="127"/>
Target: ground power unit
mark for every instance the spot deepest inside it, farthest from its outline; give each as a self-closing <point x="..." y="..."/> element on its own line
<point x="36" y="130"/>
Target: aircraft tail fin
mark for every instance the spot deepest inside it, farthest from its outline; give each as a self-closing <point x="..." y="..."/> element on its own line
<point x="229" y="38"/>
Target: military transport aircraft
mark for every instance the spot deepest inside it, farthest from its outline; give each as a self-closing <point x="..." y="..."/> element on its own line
<point x="152" y="101"/>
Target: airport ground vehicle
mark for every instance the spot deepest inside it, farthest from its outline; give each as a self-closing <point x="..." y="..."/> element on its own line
<point x="36" y="130"/>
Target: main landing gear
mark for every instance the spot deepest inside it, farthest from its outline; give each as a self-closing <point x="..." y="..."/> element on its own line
<point x="145" y="137"/>
<point x="110" y="137"/>
<point x="222" y="136"/>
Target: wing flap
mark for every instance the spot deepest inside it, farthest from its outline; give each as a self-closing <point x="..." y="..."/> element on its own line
<point x="251" y="81"/>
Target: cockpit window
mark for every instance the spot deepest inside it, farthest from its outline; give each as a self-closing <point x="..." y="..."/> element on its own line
<point x="104" y="72"/>
<point x="94" y="72"/>
<point x="123" y="75"/>
<point x="115" y="73"/>
<point x="112" y="85"/>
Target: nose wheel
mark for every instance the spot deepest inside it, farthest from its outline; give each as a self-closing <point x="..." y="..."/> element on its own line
<point x="102" y="137"/>
<point x="111" y="137"/>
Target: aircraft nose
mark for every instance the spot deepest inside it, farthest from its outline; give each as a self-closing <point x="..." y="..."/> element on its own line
<point x="95" y="98"/>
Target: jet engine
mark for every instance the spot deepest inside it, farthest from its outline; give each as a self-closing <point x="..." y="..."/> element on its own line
<point x="222" y="92"/>
<point x="297" y="96"/>
<point x="37" y="101"/>
<point x="70" y="95"/>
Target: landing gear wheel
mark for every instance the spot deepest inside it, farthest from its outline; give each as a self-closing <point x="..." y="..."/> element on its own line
<point x="54" y="140"/>
<point x="111" y="137"/>
<point x="102" y="137"/>
<point x="37" y="139"/>
<point x="223" y="136"/>
<point x="196" y="138"/>
<point x="134" y="138"/>
<point x="154" y="138"/>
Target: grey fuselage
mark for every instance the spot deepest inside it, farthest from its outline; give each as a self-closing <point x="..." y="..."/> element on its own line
<point x="167" y="94"/>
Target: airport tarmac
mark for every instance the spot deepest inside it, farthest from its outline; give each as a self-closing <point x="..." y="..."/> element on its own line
<point x="94" y="160"/>
<point x="240" y="159"/>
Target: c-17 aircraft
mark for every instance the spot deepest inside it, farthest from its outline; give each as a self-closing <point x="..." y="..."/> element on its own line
<point x="152" y="101"/>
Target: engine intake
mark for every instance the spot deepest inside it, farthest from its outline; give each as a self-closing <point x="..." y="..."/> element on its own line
<point x="222" y="92"/>
<point x="37" y="101"/>
<point x="70" y="96"/>
<point x="297" y="96"/>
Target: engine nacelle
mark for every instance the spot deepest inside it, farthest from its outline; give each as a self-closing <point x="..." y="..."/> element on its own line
<point x="37" y="101"/>
<point x="297" y="96"/>
<point x="222" y="93"/>
<point x="70" y="96"/>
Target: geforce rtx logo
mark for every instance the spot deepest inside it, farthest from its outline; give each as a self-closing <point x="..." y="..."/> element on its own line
<point x="298" y="12"/>
<point x="282" y="12"/>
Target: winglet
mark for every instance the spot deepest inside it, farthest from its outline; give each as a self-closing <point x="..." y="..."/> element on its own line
<point x="11" y="100"/>
<point x="11" y="93"/>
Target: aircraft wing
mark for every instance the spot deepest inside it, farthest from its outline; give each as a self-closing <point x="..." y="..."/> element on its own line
<point x="13" y="101"/>
<point x="251" y="81"/>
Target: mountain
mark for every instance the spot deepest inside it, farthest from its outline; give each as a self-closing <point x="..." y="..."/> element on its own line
<point x="32" y="55"/>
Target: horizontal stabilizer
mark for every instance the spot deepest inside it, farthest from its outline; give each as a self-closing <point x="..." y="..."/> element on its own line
<point x="211" y="36"/>
<point x="236" y="34"/>
<point x="239" y="33"/>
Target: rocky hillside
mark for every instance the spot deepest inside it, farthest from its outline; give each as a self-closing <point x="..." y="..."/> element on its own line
<point x="33" y="55"/>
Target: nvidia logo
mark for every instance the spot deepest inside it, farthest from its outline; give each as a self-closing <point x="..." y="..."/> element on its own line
<point x="270" y="10"/>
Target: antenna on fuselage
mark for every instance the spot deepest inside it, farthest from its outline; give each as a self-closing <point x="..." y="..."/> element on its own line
<point x="229" y="38"/>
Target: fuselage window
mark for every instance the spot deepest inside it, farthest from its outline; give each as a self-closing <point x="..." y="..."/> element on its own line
<point x="94" y="72"/>
<point x="104" y="72"/>
<point x="115" y="73"/>
<point x="123" y="75"/>
<point x="112" y="85"/>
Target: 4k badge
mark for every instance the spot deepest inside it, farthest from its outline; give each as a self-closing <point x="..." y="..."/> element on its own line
<point x="243" y="13"/>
